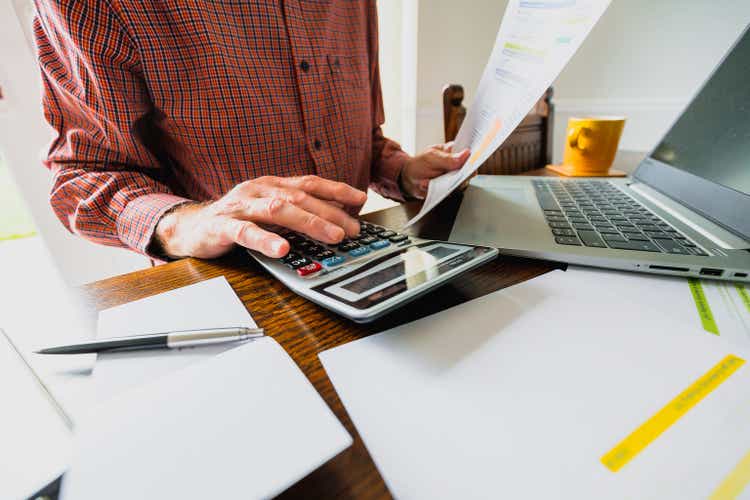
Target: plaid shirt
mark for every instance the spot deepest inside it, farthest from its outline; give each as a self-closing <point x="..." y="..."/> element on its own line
<point x="155" y="103"/>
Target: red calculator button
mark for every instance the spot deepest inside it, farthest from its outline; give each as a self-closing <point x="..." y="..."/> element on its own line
<point x="309" y="269"/>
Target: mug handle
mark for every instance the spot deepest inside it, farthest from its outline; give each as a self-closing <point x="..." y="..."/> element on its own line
<point x="576" y="135"/>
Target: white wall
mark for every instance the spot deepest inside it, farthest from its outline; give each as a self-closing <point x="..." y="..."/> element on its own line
<point x="454" y="41"/>
<point x="24" y="137"/>
<point x="644" y="59"/>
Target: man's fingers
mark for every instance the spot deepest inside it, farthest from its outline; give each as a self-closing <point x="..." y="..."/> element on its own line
<point x="249" y="235"/>
<point x="284" y="213"/>
<point x="439" y="162"/>
<point x="328" y="210"/>
<point x="324" y="189"/>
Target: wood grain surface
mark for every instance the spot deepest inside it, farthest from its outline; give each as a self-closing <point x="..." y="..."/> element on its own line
<point x="305" y="329"/>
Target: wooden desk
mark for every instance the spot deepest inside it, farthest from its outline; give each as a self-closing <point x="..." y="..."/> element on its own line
<point x="304" y="329"/>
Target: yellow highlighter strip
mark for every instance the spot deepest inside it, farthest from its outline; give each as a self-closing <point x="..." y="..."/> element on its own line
<point x="735" y="482"/>
<point x="652" y="428"/>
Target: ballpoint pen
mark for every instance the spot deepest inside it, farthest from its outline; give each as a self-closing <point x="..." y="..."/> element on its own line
<point x="168" y="340"/>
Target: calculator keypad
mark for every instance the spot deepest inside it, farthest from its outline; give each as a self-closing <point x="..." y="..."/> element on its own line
<point x="308" y="257"/>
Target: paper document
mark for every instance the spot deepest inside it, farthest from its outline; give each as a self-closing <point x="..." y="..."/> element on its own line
<point x="722" y="308"/>
<point x="35" y="439"/>
<point x="566" y="386"/>
<point x="536" y="40"/>
<point x="244" y="424"/>
<point x="208" y="304"/>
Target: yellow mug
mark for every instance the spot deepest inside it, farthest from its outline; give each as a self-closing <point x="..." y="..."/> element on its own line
<point x="591" y="144"/>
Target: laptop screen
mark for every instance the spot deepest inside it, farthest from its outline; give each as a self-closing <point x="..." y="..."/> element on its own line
<point x="706" y="153"/>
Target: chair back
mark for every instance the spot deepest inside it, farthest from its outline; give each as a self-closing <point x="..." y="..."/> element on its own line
<point x="528" y="147"/>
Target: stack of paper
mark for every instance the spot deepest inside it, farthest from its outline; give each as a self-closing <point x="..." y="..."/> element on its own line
<point x="566" y="386"/>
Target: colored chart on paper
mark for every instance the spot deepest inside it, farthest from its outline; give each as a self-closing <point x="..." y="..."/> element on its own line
<point x="488" y="138"/>
<point x="639" y="439"/>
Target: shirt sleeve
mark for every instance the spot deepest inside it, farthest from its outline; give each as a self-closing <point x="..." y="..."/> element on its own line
<point x="107" y="184"/>
<point x="387" y="156"/>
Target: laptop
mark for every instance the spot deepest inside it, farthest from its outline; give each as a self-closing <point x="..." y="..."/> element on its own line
<point x="685" y="211"/>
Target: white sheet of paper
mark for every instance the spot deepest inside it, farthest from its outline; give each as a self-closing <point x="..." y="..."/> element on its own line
<point x="35" y="443"/>
<point x="208" y="304"/>
<point x="535" y="41"/>
<point x="244" y="424"/>
<point x="729" y="306"/>
<point x="519" y="394"/>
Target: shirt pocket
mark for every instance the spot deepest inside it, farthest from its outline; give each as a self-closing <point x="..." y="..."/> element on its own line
<point x="349" y="69"/>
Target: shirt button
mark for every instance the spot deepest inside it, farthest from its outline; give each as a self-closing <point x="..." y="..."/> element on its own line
<point x="305" y="66"/>
<point x="317" y="144"/>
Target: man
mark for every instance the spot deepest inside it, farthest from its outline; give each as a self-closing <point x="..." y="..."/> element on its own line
<point x="185" y="127"/>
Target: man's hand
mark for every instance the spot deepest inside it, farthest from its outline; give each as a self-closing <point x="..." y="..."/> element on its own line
<point x="433" y="162"/>
<point x="309" y="205"/>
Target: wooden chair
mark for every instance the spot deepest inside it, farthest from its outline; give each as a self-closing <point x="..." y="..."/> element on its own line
<point x="528" y="147"/>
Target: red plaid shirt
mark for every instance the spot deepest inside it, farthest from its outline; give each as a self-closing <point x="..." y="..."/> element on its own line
<point x="156" y="103"/>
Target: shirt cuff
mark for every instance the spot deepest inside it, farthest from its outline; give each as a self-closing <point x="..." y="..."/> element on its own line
<point x="391" y="163"/>
<point x="137" y="222"/>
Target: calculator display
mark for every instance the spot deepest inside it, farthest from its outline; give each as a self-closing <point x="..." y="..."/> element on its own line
<point x="382" y="279"/>
<point x="394" y="271"/>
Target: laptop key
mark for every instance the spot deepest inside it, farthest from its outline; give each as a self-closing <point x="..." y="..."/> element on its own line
<point x="547" y="200"/>
<point x="637" y="237"/>
<point x="644" y="246"/>
<point x="591" y="239"/>
<point x="609" y="238"/>
<point x="696" y="251"/>
<point x="560" y="225"/>
<point x="563" y="232"/>
<point x="568" y="240"/>
<point x="556" y="218"/>
<point x="584" y="227"/>
<point x="671" y="246"/>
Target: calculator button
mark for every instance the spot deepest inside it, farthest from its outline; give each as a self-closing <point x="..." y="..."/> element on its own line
<point x="333" y="261"/>
<point x="375" y="229"/>
<point x="380" y="244"/>
<point x="301" y="262"/>
<point x="324" y="255"/>
<point x="398" y="237"/>
<point x="386" y="234"/>
<point x="348" y="246"/>
<point x="314" y="249"/>
<point x="359" y="251"/>
<point x="367" y="240"/>
<point x="309" y="269"/>
<point x="291" y="256"/>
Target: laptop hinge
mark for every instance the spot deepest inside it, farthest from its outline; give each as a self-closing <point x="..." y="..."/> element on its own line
<point x="710" y="230"/>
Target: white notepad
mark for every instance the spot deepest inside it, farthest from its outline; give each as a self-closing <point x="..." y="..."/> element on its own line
<point x="244" y="424"/>
<point x="529" y="391"/>
<point x="209" y="304"/>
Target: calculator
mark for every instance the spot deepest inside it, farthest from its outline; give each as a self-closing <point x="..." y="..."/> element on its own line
<point x="379" y="270"/>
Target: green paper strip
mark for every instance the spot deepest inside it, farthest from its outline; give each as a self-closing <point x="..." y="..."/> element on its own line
<point x="701" y="304"/>
<point x="744" y="295"/>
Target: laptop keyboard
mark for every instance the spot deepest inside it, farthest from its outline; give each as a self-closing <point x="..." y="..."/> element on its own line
<point x="597" y="214"/>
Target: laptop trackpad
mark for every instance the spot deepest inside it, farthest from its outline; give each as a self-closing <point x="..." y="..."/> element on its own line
<point x="503" y="217"/>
